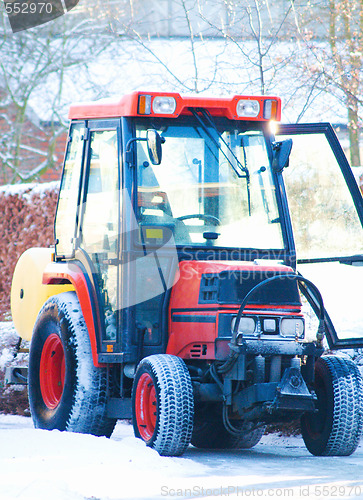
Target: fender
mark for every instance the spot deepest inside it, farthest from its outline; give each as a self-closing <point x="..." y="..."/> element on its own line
<point x="63" y="272"/>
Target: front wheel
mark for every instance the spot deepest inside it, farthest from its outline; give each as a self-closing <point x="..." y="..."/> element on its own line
<point x="336" y="428"/>
<point x="163" y="404"/>
<point x="66" y="391"/>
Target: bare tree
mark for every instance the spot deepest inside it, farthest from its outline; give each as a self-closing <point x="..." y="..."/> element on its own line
<point x="175" y="24"/>
<point x="34" y="62"/>
<point x="346" y="46"/>
<point x="254" y="29"/>
<point x="334" y="58"/>
<point x="291" y="48"/>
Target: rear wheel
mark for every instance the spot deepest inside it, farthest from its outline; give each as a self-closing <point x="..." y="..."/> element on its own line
<point x="66" y="391"/>
<point x="162" y="401"/>
<point x="210" y="433"/>
<point x="336" y="428"/>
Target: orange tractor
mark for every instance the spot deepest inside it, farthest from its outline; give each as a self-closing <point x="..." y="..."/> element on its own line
<point x="171" y="295"/>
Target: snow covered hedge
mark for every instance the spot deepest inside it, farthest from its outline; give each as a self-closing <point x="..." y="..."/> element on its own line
<point x="26" y="220"/>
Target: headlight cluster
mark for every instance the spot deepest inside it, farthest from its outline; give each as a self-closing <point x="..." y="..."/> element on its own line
<point x="159" y="105"/>
<point x="292" y="327"/>
<point x="247" y="325"/>
<point x="247" y="107"/>
<point x="250" y="108"/>
<point x="259" y="325"/>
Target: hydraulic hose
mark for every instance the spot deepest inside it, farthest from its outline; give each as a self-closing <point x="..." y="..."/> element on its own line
<point x="310" y="291"/>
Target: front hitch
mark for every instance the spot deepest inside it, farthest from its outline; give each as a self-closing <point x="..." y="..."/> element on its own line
<point x="292" y="392"/>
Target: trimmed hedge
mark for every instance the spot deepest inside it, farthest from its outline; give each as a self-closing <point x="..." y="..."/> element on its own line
<point x="26" y="220"/>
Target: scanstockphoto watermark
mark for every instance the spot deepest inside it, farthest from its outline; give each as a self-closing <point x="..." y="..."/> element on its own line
<point x="227" y="491"/>
<point x="304" y="491"/>
<point x="26" y="14"/>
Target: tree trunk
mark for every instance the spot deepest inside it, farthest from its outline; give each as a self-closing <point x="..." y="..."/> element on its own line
<point x="353" y="130"/>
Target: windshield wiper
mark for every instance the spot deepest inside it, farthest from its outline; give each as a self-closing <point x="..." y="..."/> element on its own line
<point x="242" y="168"/>
<point x="351" y="260"/>
<point x="210" y="122"/>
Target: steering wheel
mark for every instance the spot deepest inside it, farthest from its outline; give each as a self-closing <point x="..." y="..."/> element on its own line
<point x="207" y="218"/>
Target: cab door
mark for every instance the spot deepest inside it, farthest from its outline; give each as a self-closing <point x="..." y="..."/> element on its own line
<point x="99" y="233"/>
<point x="326" y="209"/>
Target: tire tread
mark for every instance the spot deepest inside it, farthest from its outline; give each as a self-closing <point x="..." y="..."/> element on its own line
<point x="344" y="424"/>
<point x="176" y="404"/>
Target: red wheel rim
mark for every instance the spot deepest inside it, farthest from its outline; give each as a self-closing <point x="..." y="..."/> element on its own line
<point x="52" y="371"/>
<point x="146" y="406"/>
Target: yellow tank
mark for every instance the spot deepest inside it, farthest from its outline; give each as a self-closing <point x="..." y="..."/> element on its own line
<point x="28" y="294"/>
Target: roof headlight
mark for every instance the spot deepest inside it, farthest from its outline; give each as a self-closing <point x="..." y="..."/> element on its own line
<point x="164" y="105"/>
<point x="248" y="108"/>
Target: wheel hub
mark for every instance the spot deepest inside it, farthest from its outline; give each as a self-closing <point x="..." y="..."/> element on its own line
<point x="146" y="406"/>
<point x="52" y="371"/>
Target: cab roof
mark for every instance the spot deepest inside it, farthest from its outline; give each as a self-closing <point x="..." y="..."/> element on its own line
<point x="171" y="104"/>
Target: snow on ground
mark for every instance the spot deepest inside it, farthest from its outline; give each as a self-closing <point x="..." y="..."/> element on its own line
<point x="43" y="465"/>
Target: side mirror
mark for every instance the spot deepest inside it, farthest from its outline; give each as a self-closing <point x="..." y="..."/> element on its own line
<point x="281" y="153"/>
<point x="154" y="142"/>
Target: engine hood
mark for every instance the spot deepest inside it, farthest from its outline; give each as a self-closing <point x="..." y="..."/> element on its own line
<point x="205" y="283"/>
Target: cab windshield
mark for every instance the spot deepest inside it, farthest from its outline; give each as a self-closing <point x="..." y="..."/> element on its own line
<point x="213" y="187"/>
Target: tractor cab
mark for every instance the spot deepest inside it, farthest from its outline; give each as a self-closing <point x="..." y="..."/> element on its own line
<point x="207" y="192"/>
<point x="175" y="294"/>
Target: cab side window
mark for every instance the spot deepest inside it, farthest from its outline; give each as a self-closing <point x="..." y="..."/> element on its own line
<point x="67" y="210"/>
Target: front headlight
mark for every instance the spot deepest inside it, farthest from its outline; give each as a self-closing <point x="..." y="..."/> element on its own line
<point x="246" y="325"/>
<point x="292" y="327"/>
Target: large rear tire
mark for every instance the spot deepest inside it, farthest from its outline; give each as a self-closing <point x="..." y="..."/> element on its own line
<point x="163" y="404"/>
<point x="66" y="391"/>
<point x="336" y="428"/>
<point x="210" y="433"/>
